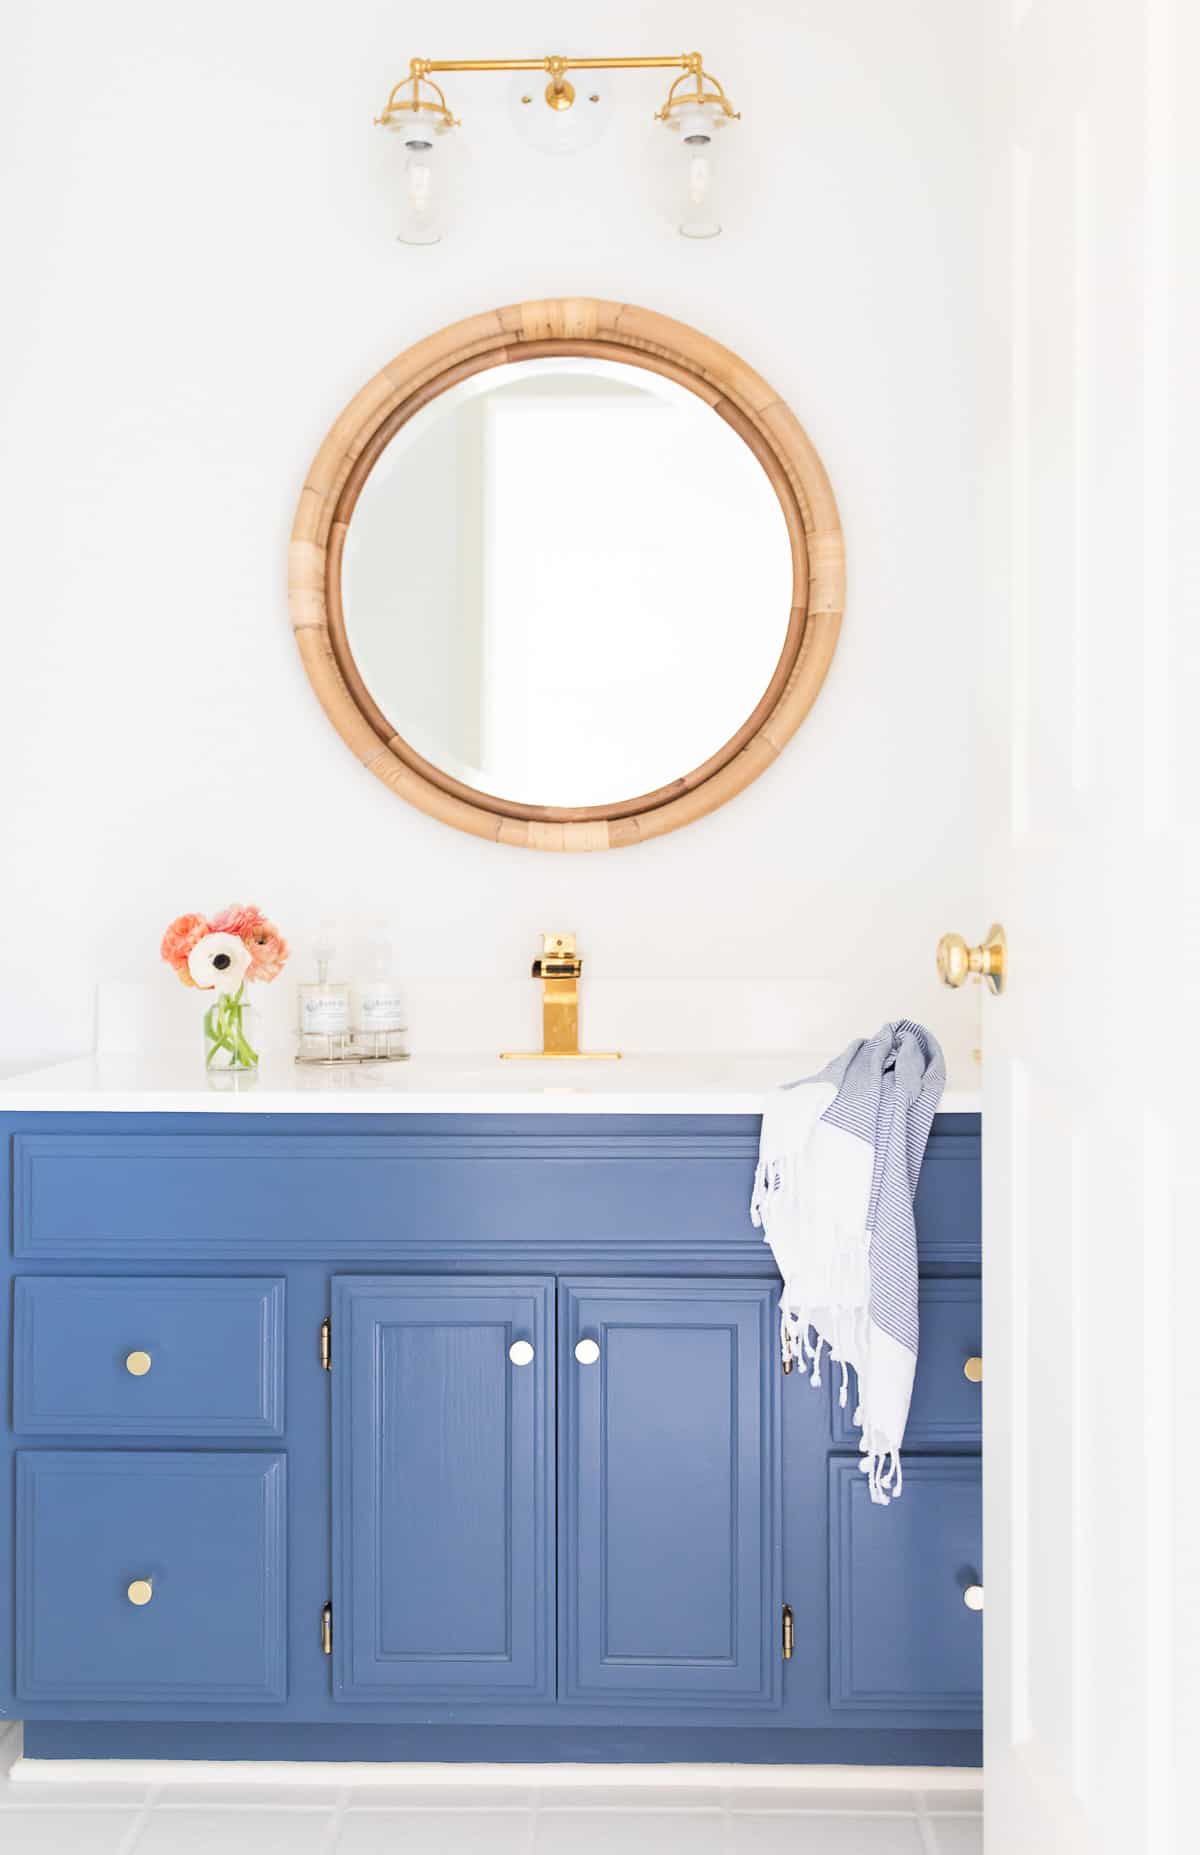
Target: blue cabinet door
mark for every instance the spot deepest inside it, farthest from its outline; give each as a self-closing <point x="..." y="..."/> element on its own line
<point x="443" y="1535"/>
<point x="903" y="1637"/>
<point x="669" y="1476"/>
<point x="151" y="1575"/>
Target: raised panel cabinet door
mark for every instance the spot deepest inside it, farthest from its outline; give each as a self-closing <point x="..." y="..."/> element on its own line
<point x="904" y="1582"/>
<point x="150" y="1576"/>
<point x="669" y="1473"/>
<point x="443" y="1521"/>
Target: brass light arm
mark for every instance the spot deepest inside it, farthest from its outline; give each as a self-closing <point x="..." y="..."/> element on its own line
<point x="560" y="93"/>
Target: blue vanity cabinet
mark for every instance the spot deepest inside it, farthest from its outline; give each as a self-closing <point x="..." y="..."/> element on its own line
<point x="443" y="1464"/>
<point x="523" y="1551"/>
<point x="669" y="1528"/>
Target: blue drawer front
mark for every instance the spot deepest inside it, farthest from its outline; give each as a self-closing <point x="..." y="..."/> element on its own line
<point x="368" y="1195"/>
<point x="947" y="1407"/>
<point x="669" y="1529"/>
<point x="205" y="1529"/>
<point x="572" y="1193"/>
<point x="948" y="1207"/>
<point x="444" y="1512"/>
<point x="215" y="1351"/>
<point x="902" y="1636"/>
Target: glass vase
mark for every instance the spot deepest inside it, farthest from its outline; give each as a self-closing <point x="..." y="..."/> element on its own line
<point x="230" y="1040"/>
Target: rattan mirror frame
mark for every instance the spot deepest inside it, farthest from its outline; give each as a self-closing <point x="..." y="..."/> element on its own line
<point x="613" y="331"/>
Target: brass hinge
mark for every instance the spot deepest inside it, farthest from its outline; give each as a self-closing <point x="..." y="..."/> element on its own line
<point x="789" y="1633"/>
<point x="326" y="1629"/>
<point x="326" y="1343"/>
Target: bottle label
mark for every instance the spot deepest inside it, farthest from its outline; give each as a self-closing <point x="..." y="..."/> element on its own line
<point x="323" y="1015"/>
<point x="381" y="1008"/>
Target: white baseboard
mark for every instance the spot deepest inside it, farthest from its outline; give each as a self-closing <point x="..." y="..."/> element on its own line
<point x="544" y="1777"/>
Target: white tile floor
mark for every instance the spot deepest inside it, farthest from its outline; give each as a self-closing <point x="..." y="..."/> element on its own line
<point x="718" y="1818"/>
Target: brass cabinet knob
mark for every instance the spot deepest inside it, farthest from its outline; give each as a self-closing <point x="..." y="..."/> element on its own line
<point x="137" y="1364"/>
<point x="973" y="1597"/>
<point x="140" y="1592"/>
<point x="521" y="1352"/>
<point x="587" y="1352"/>
<point x="973" y="1370"/>
<point x="956" y="962"/>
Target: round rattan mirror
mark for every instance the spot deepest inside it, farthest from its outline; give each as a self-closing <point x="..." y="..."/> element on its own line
<point x="567" y="575"/>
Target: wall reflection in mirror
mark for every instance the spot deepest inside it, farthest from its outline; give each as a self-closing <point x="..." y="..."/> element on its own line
<point x="567" y="582"/>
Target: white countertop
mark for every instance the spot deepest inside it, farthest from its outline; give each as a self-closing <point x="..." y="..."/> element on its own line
<point x="177" y="1084"/>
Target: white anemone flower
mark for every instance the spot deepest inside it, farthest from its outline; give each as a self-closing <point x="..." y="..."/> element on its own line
<point x="218" y="963"/>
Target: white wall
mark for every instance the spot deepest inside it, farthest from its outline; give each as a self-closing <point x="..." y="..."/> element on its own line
<point x="201" y="273"/>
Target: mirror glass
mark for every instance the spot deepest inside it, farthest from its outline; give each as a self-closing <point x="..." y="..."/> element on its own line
<point x="567" y="582"/>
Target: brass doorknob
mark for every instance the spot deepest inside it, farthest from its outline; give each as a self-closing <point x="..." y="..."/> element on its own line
<point x="973" y="1597"/>
<point x="140" y="1592"/>
<point x="956" y="962"/>
<point x="137" y="1364"/>
<point x="973" y="1370"/>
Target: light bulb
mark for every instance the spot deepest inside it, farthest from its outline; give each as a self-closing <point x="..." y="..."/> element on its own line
<point x="419" y="179"/>
<point x="699" y="170"/>
<point x="422" y="181"/>
<point x="696" y="207"/>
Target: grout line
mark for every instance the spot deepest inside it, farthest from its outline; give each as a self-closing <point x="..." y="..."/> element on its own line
<point x="929" y="1836"/>
<point x="333" y="1831"/>
<point x="133" y="1834"/>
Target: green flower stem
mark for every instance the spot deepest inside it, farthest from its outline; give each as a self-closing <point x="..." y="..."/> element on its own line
<point x="224" y="1030"/>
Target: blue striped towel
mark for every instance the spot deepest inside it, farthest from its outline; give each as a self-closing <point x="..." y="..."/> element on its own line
<point x="838" y="1165"/>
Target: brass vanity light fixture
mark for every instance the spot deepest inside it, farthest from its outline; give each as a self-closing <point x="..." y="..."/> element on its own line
<point x="559" y="969"/>
<point x="696" y="107"/>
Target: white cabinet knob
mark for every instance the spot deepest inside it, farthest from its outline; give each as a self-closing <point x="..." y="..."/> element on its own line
<point x="587" y="1352"/>
<point x="973" y="1597"/>
<point x="521" y="1352"/>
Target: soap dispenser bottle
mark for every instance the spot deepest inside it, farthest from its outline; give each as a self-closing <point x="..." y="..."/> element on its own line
<point x="380" y="1001"/>
<point x="325" y="1005"/>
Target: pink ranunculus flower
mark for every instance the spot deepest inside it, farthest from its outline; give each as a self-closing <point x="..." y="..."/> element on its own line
<point x="178" y="941"/>
<point x="239" y="918"/>
<point x="266" y="946"/>
<point x="268" y="951"/>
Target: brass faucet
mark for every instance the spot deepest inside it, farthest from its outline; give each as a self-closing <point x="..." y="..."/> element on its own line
<point x="559" y="970"/>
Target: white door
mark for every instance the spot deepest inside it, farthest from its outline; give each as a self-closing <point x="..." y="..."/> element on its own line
<point x="1091" y="699"/>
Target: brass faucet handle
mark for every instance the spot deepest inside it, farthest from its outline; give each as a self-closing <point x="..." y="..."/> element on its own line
<point x="559" y="959"/>
<point x="557" y="969"/>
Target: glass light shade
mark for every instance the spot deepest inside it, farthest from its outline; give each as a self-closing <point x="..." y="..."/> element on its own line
<point x="422" y="179"/>
<point x="696" y="210"/>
